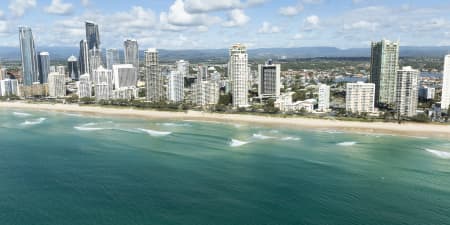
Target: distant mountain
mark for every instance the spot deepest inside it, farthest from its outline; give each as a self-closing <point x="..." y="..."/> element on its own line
<point x="62" y="53"/>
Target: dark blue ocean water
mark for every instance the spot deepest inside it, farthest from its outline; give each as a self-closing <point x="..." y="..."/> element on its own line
<point x="58" y="169"/>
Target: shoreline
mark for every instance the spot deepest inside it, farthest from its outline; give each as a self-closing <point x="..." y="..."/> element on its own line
<point x="404" y="129"/>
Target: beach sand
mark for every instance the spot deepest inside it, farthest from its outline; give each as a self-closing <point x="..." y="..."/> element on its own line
<point x="405" y="129"/>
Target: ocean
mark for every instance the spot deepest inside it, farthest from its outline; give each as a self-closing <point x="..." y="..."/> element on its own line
<point x="68" y="168"/>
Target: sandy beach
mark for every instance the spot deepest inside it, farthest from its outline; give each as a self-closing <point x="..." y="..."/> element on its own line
<point x="406" y="129"/>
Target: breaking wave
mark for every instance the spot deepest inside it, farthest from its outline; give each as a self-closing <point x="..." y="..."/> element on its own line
<point x="21" y="114"/>
<point x="348" y="143"/>
<point x="291" y="139"/>
<point x="175" y="124"/>
<point x="34" y="122"/>
<point x="261" y="137"/>
<point x="440" y="154"/>
<point x="155" y="133"/>
<point x="237" y="143"/>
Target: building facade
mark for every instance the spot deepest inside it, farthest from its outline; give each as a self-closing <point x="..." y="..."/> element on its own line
<point x="72" y="66"/>
<point x="83" y="58"/>
<point x="175" y="92"/>
<point x="9" y="87"/>
<point x="238" y="72"/>
<point x="131" y="52"/>
<point x="29" y="58"/>
<point x="153" y="79"/>
<point x="125" y="75"/>
<point x="112" y="58"/>
<point x="95" y="59"/>
<point x="407" y="91"/>
<point x="103" y="83"/>
<point x="269" y="84"/>
<point x="445" y="99"/>
<point x="383" y="70"/>
<point x="44" y="67"/>
<point x="84" y="86"/>
<point x="360" y="97"/>
<point x="324" y="98"/>
<point x="56" y="85"/>
<point x="92" y="35"/>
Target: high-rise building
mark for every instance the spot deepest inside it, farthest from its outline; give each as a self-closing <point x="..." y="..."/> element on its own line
<point x="44" y="66"/>
<point x="383" y="70"/>
<point x="269" y="80"/>
<point x="84" y="86"/>
<point x="239" y="74"/>
<point x="112" y="58"/>
<point x="29" y="58"/>
<point x="72" y="66"/>
<point x="324" y="98"/>
<point x="124" y="76"/>
<point x="131" y="52"/>
<point x="360" y="97"/>
<point x="206" y="93"/>
<point x="407" y="91"/>
<point x="154" y="80"/>
<point x="92" y="35"/>
<point x="175" y="92"/>
<point x="445" y="99"/>
<point x="84" y="57"/>
<point x="61" y="70"/>
<point x="56" y="85"/>
<point x="95" y="60"/>
<point x="3" y="73"/>
<point x="9" y="87"/>
<point x="103" y="81"/>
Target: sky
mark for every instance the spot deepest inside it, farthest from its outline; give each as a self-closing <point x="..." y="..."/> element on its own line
<point x="214" y="24"/>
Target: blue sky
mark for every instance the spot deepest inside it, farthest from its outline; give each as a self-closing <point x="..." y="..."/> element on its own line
<point x="199" y="24"/>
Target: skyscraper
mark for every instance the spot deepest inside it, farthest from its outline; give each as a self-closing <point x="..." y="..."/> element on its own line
<point x="112" y="58"/>
<point x="407" y="91"/>
<point x="92" y="35"/>
<point x="269" y="80"/>
<point x="124" y="76"/>
<point x="72" y="66"/>
<point x="175" y="92"/>
<point x="360" y="97"/>
<point x="153" y="78"/>
<point x="103" y="80"/>
<point x="383" y="70"/>
<point x="84" y="57"/>
<point x="445" y="100"/>
<point x="56" y="85"/>
<point x="95" y="59"/>
<point x="131" y="52"/>
<point x="239" y="75"/>
<point x="324" y="97"/>
<point x="84" y="86"/>
<point x="29" y="57"/>
<point x="44" y="67"/>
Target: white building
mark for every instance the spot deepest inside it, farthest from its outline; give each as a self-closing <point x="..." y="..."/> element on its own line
<point x="127" y="93"/>
<point x="153" y="78"/>
<point x="285" y="103"/>
<point x="56" y="85"/>
<point x="269" y="80"/>
<point x="176" y="87"/>
<point x="103" y="81"/>
<point x="238" y="72"/>
<point x="3" y="74"/>
<point x="206" y="93"/>
<point x="407" y="91"/>
<point x="445" y="100"/>
<point x="360" y="97"/>
<point x="125" y="76"/>
<point x="9" y="87"/>
<point x="84" y="86"/>
<point x="324" y="98"/>
<point x="427" y="93"/>
<point x="61" y="70"/>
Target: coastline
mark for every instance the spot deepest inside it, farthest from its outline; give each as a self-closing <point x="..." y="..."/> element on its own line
<point x="404" y="129"/>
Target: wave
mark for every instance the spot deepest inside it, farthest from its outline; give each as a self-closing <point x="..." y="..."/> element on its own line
<point x="440" y="154"/>
<point x="348" y="143"/>
<point x="33" y="122"/>
<point x="82" y="128"/>
<point x="21" y="114"/>
<point x="261" y="137"/>
<point x="237" y="143"/>
<point x="174" y="124"/>
<point x="155" y="133"/>
<point x="291" y="139"/>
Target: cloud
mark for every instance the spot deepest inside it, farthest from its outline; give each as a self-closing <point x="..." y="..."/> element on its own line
<point x="268" y="28"/>
<point x="362" y="25"/>
<point x="18" y="7"/>
<point x="312" y="1"/>
<point x="59" y="8"/>
<point x="180" y="17"/>
<point x="291" y="10"/>
<point x="311" y="22"/>
<point x="84" y="3"/>
<point x="236" y="18"/>
<point x="166" y="26"/>
<point x="297" y="36"/>
<point x="200" y="6"/>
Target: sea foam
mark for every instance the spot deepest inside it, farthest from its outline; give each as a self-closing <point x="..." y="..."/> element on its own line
<point x="261" y="137"/>
<point x="174" y="124"/>
<point x="237" y="143"/>
<point x="348" y="143"/>
<point x="290" y="139"/>
<point x="21" y="114"/>
<point x="155" y="133"/>
<point x="440" y="154"/>
<point x="33" y="122"/>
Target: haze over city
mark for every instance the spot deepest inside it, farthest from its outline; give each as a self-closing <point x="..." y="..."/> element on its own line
<point x="197" y="24"/>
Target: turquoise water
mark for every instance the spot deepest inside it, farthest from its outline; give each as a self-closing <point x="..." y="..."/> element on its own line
<point x="58" y="168"/>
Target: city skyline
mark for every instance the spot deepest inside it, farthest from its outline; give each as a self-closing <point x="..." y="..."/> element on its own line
<point x="198" y="24"/>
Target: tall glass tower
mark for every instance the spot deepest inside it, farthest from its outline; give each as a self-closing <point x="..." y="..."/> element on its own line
<point x="44" y="66"/>
<point x="112" y="58"/>
<point x="29" y="57"/>
<point x="92" y="35"/>
<point x="131" y="53"/>
<point x="72" y="65"/>
<point x="84" y="57"/>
